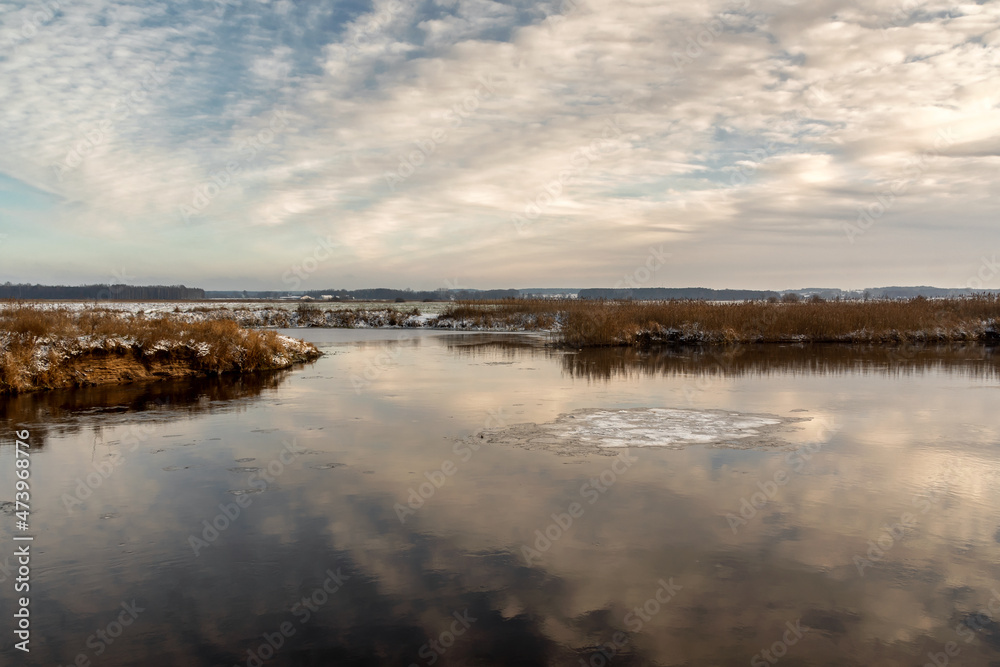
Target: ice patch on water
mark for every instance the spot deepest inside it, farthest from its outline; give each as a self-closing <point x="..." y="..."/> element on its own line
<point x="604" y="431"/>
<point x="658" y="427"/>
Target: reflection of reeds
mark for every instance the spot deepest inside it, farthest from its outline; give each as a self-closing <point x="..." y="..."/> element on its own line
<point x="41" y="348"/>
<point x="586" y="323"/>
<point x="973" y="360"/>
<point x="66" y="411"/>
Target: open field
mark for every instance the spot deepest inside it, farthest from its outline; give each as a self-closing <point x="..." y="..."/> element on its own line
<point x="239" y="305"/>
<point x="292" y="314"/>
<point x="49" y="348"/>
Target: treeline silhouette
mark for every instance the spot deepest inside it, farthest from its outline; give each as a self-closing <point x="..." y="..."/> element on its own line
<point x="666" y="293"/>
<point x="374" y="294"/>
<point x="707" y="294"/>
<point x="386" y="294"/>
<point x="102" y="292"/>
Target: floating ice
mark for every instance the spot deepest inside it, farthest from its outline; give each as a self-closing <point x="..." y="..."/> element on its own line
<point x="604" y="430"/>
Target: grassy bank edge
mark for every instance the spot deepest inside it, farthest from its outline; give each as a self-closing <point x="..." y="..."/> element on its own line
<point x="56" y="348"/>
<point x="645" y="323"/>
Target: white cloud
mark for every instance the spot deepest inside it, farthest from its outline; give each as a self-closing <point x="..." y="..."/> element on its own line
<point x="770" y="121"/>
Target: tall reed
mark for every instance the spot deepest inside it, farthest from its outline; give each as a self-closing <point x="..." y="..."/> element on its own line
<point x="586" y="323"/>
<point x="35" y="342"/>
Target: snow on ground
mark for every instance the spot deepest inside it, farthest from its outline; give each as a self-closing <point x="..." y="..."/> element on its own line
<point x="293" y="314"/>
<point x="52" y="351"/>
<point x="359" y="315"/>
<point x="603" y="431"/>
<point x="431" y="308"/>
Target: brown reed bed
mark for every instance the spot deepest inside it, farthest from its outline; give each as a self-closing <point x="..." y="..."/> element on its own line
<point x="49" y="348"/>
<point x="642" y="323"/>
<point x="504" y="314"/>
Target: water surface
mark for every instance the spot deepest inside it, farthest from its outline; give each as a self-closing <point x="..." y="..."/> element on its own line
<point x="872" y="533"/>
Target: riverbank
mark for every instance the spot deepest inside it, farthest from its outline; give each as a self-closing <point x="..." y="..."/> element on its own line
<point x="588" y="323"/>
<point x="647" y="323"/>
<point x="585" y="323"/>
<point x="59" y="348"/>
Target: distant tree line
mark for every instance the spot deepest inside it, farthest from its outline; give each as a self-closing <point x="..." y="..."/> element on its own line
<point x="707" y="294"/>
<point x="638" y="293"/>
<point x="102" y="292"/>
<point x="373" y="294"/>
<point x="386" y="294"/>
<point x="664" y="293"/>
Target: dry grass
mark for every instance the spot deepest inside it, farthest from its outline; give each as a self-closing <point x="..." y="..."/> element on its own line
<point x="308" y="315"/>
<point x="603" y="323"/>
<point x="507" y="313"/>
<point x="36" y="344"/>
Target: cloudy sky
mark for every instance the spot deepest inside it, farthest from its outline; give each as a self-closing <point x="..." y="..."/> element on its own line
<point x="470" y="143"/>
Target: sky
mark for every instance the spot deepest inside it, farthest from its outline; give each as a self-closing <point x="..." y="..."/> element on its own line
<point x="248" y="144"/>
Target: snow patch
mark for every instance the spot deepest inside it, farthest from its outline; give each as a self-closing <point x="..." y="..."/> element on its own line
<point x="658" y="427"/>
<point x="603" y="431"/>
